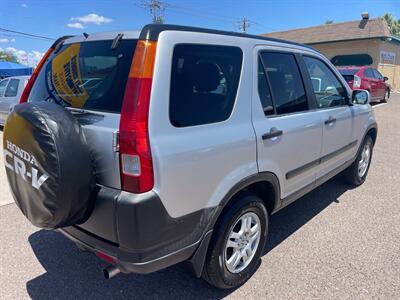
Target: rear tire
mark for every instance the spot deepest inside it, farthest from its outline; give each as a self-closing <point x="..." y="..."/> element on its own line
<point x="356" y="174"/>
<point x="237" y="243"/>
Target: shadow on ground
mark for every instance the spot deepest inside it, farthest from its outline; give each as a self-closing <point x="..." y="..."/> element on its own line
<point x="72" y="274"/>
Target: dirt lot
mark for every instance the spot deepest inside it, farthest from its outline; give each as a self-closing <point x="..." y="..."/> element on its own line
<point x="333" y="243"/>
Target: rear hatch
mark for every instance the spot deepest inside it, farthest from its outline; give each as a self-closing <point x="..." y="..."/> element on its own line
<point x="88" y="77"/>
<point x="348" y="75"/>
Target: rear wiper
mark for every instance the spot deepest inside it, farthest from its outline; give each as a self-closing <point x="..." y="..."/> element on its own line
<point x="116" y="41"/>
<point x="80" y="111"/>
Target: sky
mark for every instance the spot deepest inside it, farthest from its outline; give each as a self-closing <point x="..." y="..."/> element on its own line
<point x="55" y="18"/>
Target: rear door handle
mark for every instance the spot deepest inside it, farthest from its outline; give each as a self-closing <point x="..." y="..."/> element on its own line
<point x="272" y="134"/>
<point x="331" y="120"/>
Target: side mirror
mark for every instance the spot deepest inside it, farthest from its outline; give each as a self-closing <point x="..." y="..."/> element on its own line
<point x="385" y="78"/>
<point x="360" y="97"/>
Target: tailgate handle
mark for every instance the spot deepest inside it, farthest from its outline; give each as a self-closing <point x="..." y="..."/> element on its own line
<point x="115" y="142"/>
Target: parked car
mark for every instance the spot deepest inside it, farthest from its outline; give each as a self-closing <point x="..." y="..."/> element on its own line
<point x="367" y="78"/>
<point x="183" y="144"/>
<point x="10" y="91"/>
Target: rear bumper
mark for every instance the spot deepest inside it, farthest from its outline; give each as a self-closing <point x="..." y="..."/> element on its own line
<point x="138" y="233"/>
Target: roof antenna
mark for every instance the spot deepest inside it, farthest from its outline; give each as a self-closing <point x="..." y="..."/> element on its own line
<point x="85" y="35"/>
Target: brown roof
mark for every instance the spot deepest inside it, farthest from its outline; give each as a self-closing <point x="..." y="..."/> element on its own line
<point x="335" y="32"/>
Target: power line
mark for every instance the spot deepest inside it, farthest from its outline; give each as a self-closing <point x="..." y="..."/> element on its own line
<point x="244" y="24"/>
<point x="156" y="9"/>
<point x="27" y="34"/>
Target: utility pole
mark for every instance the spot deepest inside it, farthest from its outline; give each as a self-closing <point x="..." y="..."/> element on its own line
<point x="244" y="24"/>
<point x="156" y="9"/>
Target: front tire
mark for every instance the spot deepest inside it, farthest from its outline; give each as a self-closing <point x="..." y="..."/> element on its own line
<point x="356" y="174"/>
<point x="237" y="243"/>
<point x="387" y="96"/>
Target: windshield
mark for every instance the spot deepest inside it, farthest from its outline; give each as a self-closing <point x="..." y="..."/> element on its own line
<point x="87" y="75"/>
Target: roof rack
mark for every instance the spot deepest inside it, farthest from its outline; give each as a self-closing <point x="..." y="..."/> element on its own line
<point x="152" y="31"/>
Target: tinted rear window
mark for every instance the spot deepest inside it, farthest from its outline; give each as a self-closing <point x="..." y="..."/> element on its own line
<point x="348" y="78"/>
<point x="88" y="75"/>
<point x="204" y="83"/>
<point x="348" y="71"/>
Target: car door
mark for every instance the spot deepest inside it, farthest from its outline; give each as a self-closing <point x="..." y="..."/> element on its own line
<point x="11" y="94"/>
<point x="333" y="106"/>
<point x="373" y="83"/>
<point x="380" y="83"/>
<point x="3" y="104"/>
<point x="288" y="131"/>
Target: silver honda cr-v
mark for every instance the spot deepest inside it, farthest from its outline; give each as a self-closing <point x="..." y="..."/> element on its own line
<point x="176" y="144"/>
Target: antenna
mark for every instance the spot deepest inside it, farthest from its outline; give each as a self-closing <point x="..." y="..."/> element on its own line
<point x="156" y="9"/>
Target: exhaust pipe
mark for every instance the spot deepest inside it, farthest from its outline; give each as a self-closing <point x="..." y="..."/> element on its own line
<point x="110" y="272"/>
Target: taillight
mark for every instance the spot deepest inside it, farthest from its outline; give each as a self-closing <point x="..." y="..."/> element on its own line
<point x="29" y="85"/>
<point x="356" y="82"/>
<point x="135" y="155"/>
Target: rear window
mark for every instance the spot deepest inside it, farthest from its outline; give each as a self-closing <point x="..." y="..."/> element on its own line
<point x="88" y="75"/>
<point x="348" y="71"/>
<point x="348" y="78"/>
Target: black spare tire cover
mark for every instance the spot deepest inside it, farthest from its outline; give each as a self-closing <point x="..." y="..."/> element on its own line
<point x="48" y="165"/>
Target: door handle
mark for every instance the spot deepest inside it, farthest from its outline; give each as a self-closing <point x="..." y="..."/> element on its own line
<point x="331" y="120"/>
<point x="272" y="134"/>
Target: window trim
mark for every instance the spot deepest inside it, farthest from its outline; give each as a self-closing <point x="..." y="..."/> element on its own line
<point x="296" y="56"/>
<point x="308" y="78"/>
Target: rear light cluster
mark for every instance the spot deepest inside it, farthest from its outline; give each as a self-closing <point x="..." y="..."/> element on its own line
<point x="29" y="85"/>
<point x="135" y="155"/>
<point x="356" y="82"/>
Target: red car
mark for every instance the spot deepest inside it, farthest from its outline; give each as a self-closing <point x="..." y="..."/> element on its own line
<point x="367" y="78"/>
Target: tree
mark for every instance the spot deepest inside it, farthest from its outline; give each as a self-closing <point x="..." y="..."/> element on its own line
<point x="394" y="25"/>
<point x="6" y="56"/>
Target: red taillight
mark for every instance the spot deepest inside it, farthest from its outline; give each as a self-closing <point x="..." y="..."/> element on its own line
<point x="356" y="82"/>
<point x="135" y="155"/>
<point x="29" y="85"/>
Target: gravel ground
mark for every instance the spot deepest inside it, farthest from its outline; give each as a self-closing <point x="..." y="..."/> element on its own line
<point x="334" y="243"/>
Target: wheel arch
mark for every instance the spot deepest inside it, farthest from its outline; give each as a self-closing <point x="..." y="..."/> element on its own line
<point x="372" y="131"/>
<point x="265" y="185"/>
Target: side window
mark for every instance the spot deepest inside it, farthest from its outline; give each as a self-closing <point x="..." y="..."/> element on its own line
<point x="3" y="85"/>
<point x="204" y="83"/>
<point x="12" y="88"/>
<point x="369" y="73"/>
<point x="328" y="90"/>
<point x="378" y="75"/>
<point x="264" y="91"/>
<point x="286" y="82"/>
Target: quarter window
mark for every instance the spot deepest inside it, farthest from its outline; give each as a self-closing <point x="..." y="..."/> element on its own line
<point x="328" y="90"/>
<point x="12" y="88"/>
<point x="264" y="91"/>
<point x="286" y="83"/>
<point x="204" y="83"/>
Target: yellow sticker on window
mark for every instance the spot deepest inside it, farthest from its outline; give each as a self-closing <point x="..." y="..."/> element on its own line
<point x="66" y="77"/>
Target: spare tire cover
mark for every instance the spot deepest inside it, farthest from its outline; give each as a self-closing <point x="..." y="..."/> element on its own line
<point x="48" y="165"/>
